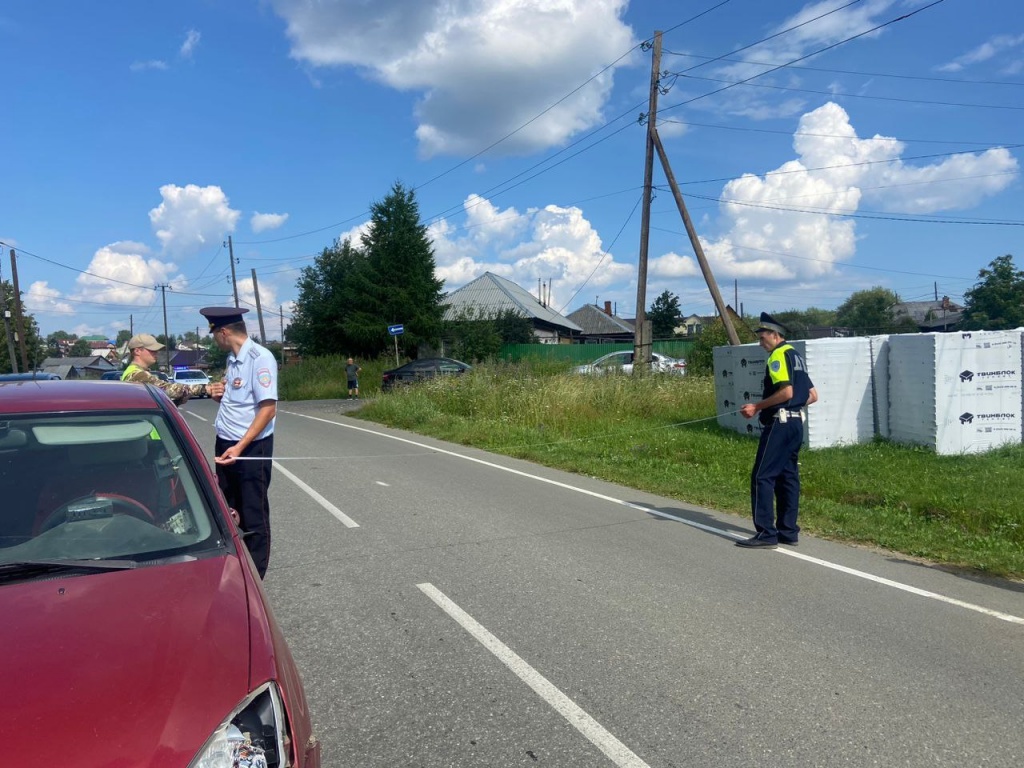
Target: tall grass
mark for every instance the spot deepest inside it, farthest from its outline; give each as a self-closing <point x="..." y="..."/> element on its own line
<point x="658" y="434"/>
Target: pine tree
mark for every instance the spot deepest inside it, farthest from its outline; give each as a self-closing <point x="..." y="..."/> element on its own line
<point x="396" y="284"/>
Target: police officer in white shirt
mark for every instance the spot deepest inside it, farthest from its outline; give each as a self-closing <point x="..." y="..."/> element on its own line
<point x="245" y="427"/>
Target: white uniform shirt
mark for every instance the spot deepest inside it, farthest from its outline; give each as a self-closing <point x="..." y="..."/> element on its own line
<point x="250" y="378"/>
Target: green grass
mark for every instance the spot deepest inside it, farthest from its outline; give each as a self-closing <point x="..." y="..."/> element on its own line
<point x="658" y="434"/>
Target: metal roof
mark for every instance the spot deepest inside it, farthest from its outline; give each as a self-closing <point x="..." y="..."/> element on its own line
<point x="596" y="322"/>
<point x="490" y="294"/>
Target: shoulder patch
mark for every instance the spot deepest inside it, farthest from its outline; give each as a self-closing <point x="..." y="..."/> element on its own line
<point x="775" y="365"/>
<point x="263" y="377"/>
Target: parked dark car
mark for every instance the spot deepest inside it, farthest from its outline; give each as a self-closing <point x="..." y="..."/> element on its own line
<point x="418" y="370"/>
<point x="34" y="376"/>
<point x="135" y="628"/>
<point x="111" y="376"/>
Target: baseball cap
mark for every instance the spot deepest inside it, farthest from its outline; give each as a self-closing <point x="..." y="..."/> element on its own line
<point x="144" y="341"/>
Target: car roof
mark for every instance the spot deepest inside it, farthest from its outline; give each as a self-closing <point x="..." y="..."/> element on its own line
<point x="64" y="396"/>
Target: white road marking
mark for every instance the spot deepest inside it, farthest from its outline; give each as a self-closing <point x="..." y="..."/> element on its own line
<point x="782" y="550"/>
<point x="347" y="521"/>
<point x="194" y="415"/>
<point x="381" y="482"/>
<point x="616" y="751"/>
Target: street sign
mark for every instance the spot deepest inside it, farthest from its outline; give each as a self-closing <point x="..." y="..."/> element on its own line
<point x="396" y="330"/>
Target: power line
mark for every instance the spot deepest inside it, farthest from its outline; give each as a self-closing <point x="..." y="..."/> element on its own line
<point x="836" y="94"/>
<point x="963" y="81"/>
<point x="799" y="134"/>
<point x="808" y="55"/>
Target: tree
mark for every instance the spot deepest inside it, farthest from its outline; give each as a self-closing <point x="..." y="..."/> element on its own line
<point x="122" y="337"/>
<point x="35" y="348"/>
<point x="664" y="315"/>
<point x="870" y="312"/>
<point x="799" y="322"/>
<point x="396" y="283"/>
<point x="996" y="302"/>
<point x="474" y="336"/>
<point x="701" y="358"/>
<point x="324" y="301"/>
<point x="81" y="348"/>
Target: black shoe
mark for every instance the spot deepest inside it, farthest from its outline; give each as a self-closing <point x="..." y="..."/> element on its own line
<point x="757" y="542"/>
<point x="788" y="542"/>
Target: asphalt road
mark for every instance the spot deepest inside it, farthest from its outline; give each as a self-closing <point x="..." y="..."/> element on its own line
<point x="449" y="607"/>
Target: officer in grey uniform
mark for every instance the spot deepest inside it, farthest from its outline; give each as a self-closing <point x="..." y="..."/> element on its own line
<point x="245" y="427"/>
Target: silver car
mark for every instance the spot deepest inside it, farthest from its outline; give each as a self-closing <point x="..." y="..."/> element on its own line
<point x="622" y="362"/>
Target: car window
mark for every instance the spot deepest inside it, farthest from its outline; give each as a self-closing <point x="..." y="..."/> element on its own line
<point x="422" y="365"/>
<point x="447" y="366"/>
<point x="615" y="360"/>
<point x="189" y="375"/>
<point x="92" y="486"/>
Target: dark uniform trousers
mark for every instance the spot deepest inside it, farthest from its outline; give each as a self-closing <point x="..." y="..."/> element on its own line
<point x="244" y="485"/>
<point x="776" y="478"/>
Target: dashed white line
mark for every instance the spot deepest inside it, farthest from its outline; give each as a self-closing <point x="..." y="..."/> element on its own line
<point x="347" y="521"/>
<point x="650" y="511"/>
<point x="616" y="751"/>
<point x="194" y="415"/>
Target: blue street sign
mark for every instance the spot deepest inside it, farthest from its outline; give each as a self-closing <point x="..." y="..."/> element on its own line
<point x="396" y="330"/>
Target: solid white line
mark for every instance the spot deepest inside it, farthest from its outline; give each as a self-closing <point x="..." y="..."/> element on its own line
<point x="347" y="521"/>
<point x="194" y="415"/>
<point x="786" y="551"/>
<point x="616" y="751"/>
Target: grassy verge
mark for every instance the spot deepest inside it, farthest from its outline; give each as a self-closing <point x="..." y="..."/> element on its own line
<point x="658" y="434"/>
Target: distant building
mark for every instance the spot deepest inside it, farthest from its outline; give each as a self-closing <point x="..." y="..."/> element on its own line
<point x="490" y="295"/>
<point x="599" y="326"/>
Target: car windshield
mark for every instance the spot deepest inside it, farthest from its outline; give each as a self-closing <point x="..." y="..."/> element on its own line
<point x="95" y="487"/>
<point x="189" y="375"/>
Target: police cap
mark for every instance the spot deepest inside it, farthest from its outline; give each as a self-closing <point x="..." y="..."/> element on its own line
<point x="221" y="316"/>
<point x="769" y="323"/>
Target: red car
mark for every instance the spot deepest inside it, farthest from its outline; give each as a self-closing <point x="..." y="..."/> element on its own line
<point x="134" y="627"/>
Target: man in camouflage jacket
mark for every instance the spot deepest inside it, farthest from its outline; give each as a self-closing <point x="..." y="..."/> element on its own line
<point x="143" y="348"/>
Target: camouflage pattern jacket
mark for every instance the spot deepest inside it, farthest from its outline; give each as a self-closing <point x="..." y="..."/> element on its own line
<point x="179" y="393"/>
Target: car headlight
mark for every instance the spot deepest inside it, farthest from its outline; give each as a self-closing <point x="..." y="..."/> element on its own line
<point x="254" y="735"/>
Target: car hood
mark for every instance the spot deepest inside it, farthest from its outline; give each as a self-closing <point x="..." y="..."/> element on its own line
<point x="134" y="667"/>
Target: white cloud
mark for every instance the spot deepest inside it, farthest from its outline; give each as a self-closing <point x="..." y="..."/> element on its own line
<point x="672" y="265"/>
<point x="261" y="222"/>
<point x="142" y="66"/>
<point x="247" y="297"/>
<point x="189" y="46"/>
<point x="550" y="243"/>
<point x="801" y="208"/>
<point x="790" y="46"/>
<point x="192" y="217"/>
<point x="124" y="273"/>
<point x="483" y="67"/>
<point x="987" y="50"/>
<point x="40" y="297"/>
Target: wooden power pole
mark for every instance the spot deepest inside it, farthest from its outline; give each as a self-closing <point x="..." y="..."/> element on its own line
<point x="709" y="278"/>
<point x="19" y="319"/>
<point x="234" y="281"/>
<point x="259" y="307"/>
<point x="642" y="333"/>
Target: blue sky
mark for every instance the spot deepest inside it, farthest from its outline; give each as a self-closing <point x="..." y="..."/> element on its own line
<point x="135" y="137"/>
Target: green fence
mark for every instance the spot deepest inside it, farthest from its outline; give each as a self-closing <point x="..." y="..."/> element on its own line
<point x="579" y="354"/>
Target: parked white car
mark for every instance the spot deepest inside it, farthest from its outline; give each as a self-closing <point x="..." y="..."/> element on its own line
<point x="622" y="362"/>
<point x="190" y="376"/>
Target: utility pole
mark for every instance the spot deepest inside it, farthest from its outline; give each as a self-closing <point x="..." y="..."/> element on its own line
<point x="131" y="325"/>
<point x="698" y="249"/>
<point x="234" y="281"/>
<point x="642" y="335"/>
<point x="280" y="309"/>
<point x="19" y="319"/>
<point x="7" y="324"/>
<point x="259" y="308"/>
<point x="167" y="339"/>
